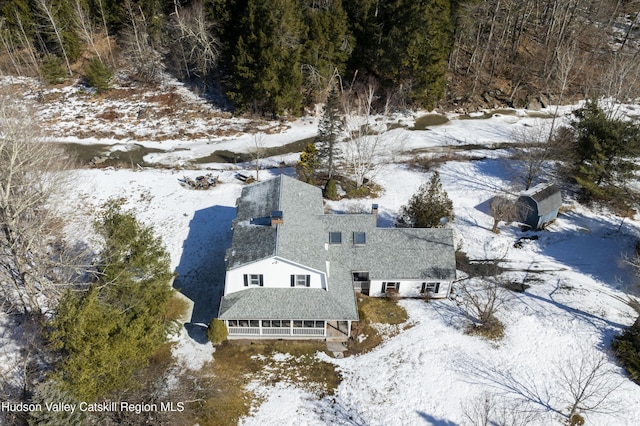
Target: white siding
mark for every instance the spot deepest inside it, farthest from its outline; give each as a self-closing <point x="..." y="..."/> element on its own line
<point x="276" y="273"/>
<point x="409" y="288"/>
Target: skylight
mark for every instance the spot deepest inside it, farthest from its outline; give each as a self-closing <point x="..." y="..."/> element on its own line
<point x="335" y="237"/>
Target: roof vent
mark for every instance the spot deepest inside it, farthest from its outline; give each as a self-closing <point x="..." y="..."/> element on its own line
<point x="277" y="218"/>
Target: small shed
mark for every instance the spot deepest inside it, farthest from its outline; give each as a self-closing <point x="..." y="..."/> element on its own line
<point x="539" y="205"/>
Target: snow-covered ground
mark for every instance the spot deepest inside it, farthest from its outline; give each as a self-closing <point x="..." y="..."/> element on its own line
<point x="431" y="373"/>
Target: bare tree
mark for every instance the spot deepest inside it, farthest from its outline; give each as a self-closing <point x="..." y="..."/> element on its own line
<point x="588" y="382"/>
<point x="47" y="9"/>
<point x="257" y="151"/>
<point x="533" y="155"/>
<point x="85" y="26"/>
<point x="200" y="49"/>
<point x="30" y="179"/>
<point x="138" y="44"/>
<point x="103" y="16"/>
<point x="492" y="410"/>
<point x="502" y="209"/>
<point x="482" y="302"/>
<point x="364" y="147"/>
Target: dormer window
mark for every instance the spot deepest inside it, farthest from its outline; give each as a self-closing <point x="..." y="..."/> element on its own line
<point x="359" y="238"/>
<point x="335" y="237"/>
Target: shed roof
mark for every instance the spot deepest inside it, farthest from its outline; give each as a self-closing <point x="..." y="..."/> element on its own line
<point x="547" y="197"/>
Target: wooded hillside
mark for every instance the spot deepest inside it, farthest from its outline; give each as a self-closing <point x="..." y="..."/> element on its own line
<point x="280" y="56"/>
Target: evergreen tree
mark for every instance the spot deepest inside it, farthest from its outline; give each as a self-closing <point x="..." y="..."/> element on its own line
<point x="265" y="64"/>
<point x="331" y="189"/>
<point x="327" y="45"/>
<point x="329" y="129"/>
<point x="428" y="206"/>
<point x="99" y="75"/>
<point x="403" y="43"/>
<point x="627" y="349"/>
<point x="308" y="164"/>
<point x="606" y="149"/>
<point x="110" y="331"/>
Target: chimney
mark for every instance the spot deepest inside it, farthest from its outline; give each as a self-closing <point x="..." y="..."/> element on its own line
<point x="277" y="218"/>
<point x="374" y="211"/>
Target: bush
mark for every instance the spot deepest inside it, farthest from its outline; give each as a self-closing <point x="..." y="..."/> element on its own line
<point x="52" y="70"/>
<point x="98" y="75"/>
<point x="627" y="349"/>
<point x="331" y="189"/>
<point x="429" y="207"/>
<point x="217" y="331"/>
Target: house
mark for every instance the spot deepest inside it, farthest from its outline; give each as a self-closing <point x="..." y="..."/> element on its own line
<point x="539" y="205"/>
<point x="293" y="271"/>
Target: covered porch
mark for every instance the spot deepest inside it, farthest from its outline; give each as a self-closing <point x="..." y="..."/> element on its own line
<point x="288" y="329"/>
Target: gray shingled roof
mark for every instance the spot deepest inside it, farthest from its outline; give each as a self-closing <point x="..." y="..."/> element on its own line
<point x="389" y="253"/>
<point x="284" y="303"/>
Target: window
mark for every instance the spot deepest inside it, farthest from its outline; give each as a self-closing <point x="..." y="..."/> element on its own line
<point x="253" y="279"/>
<point x="360" y="276"/>
<point x="271" y="323"/>
<point x="319" y="324"/>
<point x="297" y="324"/>
<point x="309" y="324"/>
<point x="390" y="287"/>
<point x="335" y="237"/>
<point x="300" y="280"/>
<point x="233" y="323"/>
<point x="254" y="323"/>
<point x="359" y="238"/>
<point x="430" y="288"/>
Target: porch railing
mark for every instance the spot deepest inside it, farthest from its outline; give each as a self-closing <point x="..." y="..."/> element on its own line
<point x="276" y="331"/>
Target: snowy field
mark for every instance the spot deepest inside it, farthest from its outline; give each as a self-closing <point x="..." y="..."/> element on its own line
<point x="432" y="373"/>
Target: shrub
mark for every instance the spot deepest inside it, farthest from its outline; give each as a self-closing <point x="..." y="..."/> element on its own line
<point x="52" y="69"/>
<point x="429" y="207"/>
<point x="217" y="331"/>
<point x="627" y="349"/>
<point x="98" y="75"/>
<point x="576" y="420"/>
<point x="331" y="190"/>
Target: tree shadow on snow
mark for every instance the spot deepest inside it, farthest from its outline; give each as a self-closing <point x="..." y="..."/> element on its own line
<point x="434" y="421"/>
<point x="593" y="246"/>
<point x="485" y="175"/>
<point x="201" y="270"/>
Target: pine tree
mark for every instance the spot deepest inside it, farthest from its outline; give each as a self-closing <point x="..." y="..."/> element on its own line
<point x="405" y="44"/>
<point x="329" y="129"/>
<point x="98" y="75"/>
<point x="327" y="45"/>
<point x="107" y="333"/>
<point x="265" y="64"/>
<point x="429" y="207"/>
<point x="606" y="149"/>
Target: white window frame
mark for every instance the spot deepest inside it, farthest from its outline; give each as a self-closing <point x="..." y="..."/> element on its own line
<point x="301" y="280"/>
<point x="430" y="287"/>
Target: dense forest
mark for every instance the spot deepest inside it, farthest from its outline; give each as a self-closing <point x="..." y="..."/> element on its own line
<point x="280" y="56"/>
